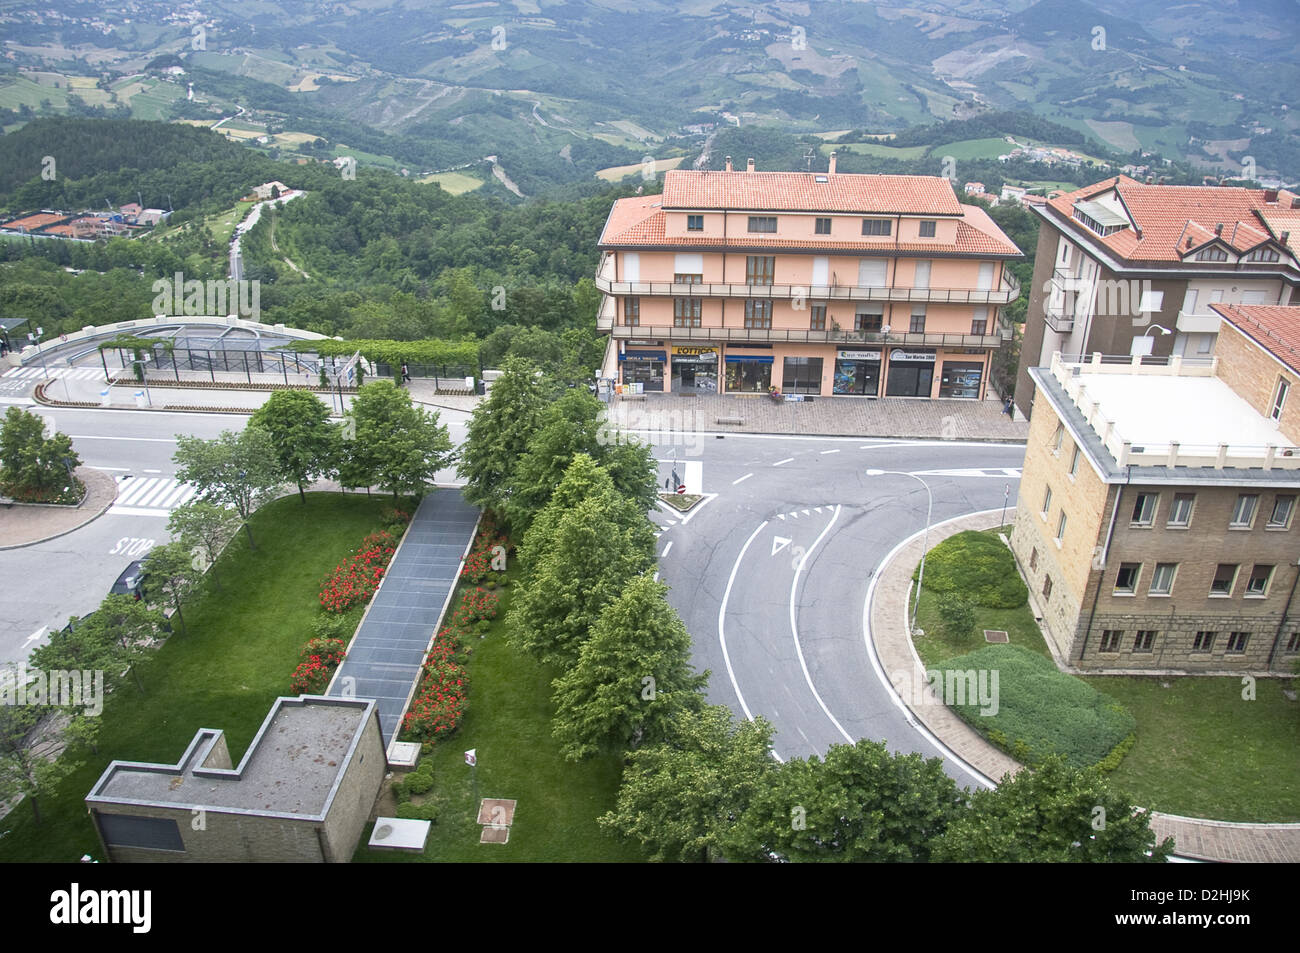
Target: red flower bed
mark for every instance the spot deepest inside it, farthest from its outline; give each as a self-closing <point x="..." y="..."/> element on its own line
<point x="355" y="580"/>
<point x="489" y="543"/>
<point x="320" y="657"/>
<point x="475" y="605"/>
<point x="439" y="702"/>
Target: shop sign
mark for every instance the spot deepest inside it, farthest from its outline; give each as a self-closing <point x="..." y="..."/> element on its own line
<point x="859" y="355"/>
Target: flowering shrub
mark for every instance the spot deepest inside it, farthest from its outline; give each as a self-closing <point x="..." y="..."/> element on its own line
<point x="440" y="701"/>
<point x="320" y="657"/>
<point x="475" y="605"/>
<point x="355" y="580"/>
<point x="488" y="541"/>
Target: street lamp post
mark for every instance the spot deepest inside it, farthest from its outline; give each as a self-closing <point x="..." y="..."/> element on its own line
<point x="1144" y="344"/>
<point x="925" y="540"/>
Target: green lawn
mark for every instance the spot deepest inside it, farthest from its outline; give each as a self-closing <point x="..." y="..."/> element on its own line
<point x="1203" y="751"/>
<point x="508" y="721"/>
<point x="989" y="148"/>
<point x="238" y="654"/>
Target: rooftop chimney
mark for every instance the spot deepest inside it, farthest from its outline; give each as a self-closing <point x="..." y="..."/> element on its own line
<point x="729" y="163"/>
<point x="1285" y="237"/>
<point x="749" y="164"/>
<point x="1270" y="196"/>
<point x="831" y="169"/>
<point x="1218" y="229"/>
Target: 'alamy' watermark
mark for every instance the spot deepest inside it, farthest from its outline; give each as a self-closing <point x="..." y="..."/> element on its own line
<point x="957" y="687"/>
<point x="1076" y="297"/>
<point x="663" y="428"/>
<point x="59" y="688"/>
<point x="176" y="296"/>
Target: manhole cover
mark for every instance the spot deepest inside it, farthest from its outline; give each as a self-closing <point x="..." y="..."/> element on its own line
<point x="495" y="835"/>
<point x="995" y="635"/>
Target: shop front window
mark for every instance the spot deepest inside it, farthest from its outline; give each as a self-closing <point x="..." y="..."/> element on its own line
<point x="802" y="375"/>
<point x="749" y="377"/>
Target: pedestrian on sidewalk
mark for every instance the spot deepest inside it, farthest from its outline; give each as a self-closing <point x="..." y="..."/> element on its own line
<point x="406" y="373"/>
<point x="1007" y="404"/>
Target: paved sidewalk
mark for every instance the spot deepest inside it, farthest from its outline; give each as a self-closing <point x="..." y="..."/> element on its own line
<point x="1221" y="841"/>
<point x="25" y="524"/>
<point x="827" y="416"/>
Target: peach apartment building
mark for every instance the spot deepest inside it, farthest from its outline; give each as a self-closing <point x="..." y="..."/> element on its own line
<point x="1156" y="520"/>
<point x="817" y="283"/>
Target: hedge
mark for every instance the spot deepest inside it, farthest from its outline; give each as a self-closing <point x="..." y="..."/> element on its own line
<point x="977" y="565"/>
<point x="1041" y="710"/>
<point x="392" y="352"/>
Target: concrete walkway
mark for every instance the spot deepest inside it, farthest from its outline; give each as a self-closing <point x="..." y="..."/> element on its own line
<point x="1221" y="841"/>
<point x="25" y="524"/>
<point x="826" y="416"/>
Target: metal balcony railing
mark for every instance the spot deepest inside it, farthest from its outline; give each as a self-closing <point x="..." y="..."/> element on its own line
<point x="733" y="335"/>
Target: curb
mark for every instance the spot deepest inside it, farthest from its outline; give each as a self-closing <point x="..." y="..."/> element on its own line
<point x="1161" y="823"/>
<point x="72" y="529"/>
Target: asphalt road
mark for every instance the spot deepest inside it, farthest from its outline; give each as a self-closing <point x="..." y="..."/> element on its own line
<point x="42" y="585"/>
<point x="771" y="575"/>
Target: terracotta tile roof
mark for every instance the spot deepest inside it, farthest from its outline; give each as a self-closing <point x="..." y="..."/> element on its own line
<point x="800" y="191"/>
<point x="1168" y="215"/>
<point x="640" y="222"/>
<point x="1276" y="328"/>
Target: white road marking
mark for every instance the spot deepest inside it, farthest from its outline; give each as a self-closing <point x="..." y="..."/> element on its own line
<point x="794" y="628"/>
<point x="742" y="479"/>
<point x="666" y="548"/>
<point x="34" y="636"/>
<point x="722" y="615"/>
<point x="113" y="469"/>
<point x="786" y="460"/>
<point x="153" y="471"/>
<point x="780" y="516"/>
<point x="779" y="543"/>
<point x="824" y="452"/>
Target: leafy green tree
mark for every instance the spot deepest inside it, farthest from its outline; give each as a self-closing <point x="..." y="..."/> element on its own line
<point x="28" y="747"/>
<point x="128" y="628"/>
<point x="170" y="569"/>
<point x="306" y="443"/>
<point x="861" y="804"/>
<point x="240" y="469"/>
<point x="81" y="646"/>
<point x="633" y="676"/>
<point x="500" y="432"/>
<point x="33" y="466"/>
<point x="392" y="443"/>
<point x="679" y="798"/>
<point x="204" y="528"/>
<point x="569" y="426"/>
<point x="596" y="549"/>
<point x="1052" y="813"/>
<point x="584" y="477"/>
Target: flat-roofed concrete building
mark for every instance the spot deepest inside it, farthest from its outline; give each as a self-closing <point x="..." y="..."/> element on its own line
<point x="1155" y="524"/>
<point x="302" y="793"/>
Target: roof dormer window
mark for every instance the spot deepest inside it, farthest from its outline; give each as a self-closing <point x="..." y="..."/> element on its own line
<point x="1099" y="218"/>
<point x="1264" y="254"/>
<point x="1211" y="254"/>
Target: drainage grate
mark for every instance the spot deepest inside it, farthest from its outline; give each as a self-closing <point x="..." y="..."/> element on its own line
<point x="995" y="635"/>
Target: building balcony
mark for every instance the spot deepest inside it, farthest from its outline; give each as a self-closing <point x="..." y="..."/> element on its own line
<point x="1007" y="293"/>
<point x="841" y="337"/>
<point x="1191" y="323"/>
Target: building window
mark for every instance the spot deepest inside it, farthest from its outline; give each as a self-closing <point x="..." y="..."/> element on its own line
<point x="684" y="279"/>
<point x="1110" y="639"/>
<point x="1146" y="638"/>
<point x="686" y="312"/>
<point x="802" y="375"/>
<point x="1279" y="398"/>
<point x="1059" y="438"/>
<point x="1293" y="643"/>
<point x="869" y="320"/>
<point x="918" y="320"/>
<point x="877" y="226"/>
<point x="758" y="313"/>
<point x="921" y="275"/>
<point x="1162" y="580"/>
<point x="979" y="326"/>
<point x="1060" y="527"/>
<point x="927" y="229"/>
<point x="695" y="223"/>
<point x="1204" y="641"/>
<point x="1263" y="254"/>
<point x="1144" y="509"/>
<point x="762" y="223"/>
<point x="1126" y="580"/>
<point x="1074" y="462"/>
<point x="823" y="226"/>
<point x="632" y="312"/>
<point x="759" y="269"/>
<point x="1225" y="578"/>
<point x="1033" y="559"/>
<point x="1211" y="254"/>
<point x="1047" y="587"/>
<point x="1257" y="584"/>
<point x="1180" y="511"/>
<point x="1047" y="501"/>
<point x="1237" y="642"/>
<point x="1243" y="512"/>
<point x="817" y="321"/>
<point x="1283" y="507"/>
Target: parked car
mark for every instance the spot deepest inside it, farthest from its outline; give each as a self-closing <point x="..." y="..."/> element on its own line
<point x="131" y="582"/>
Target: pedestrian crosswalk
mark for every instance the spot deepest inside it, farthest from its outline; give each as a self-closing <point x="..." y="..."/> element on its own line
<point x="35" y="373"/>
<point x="152" y="496"/>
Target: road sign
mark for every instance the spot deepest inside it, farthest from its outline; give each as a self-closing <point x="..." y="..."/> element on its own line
<point x="681" y="489"/>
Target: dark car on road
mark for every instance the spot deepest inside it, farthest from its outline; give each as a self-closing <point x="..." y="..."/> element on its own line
<point x="131" y="582"/>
